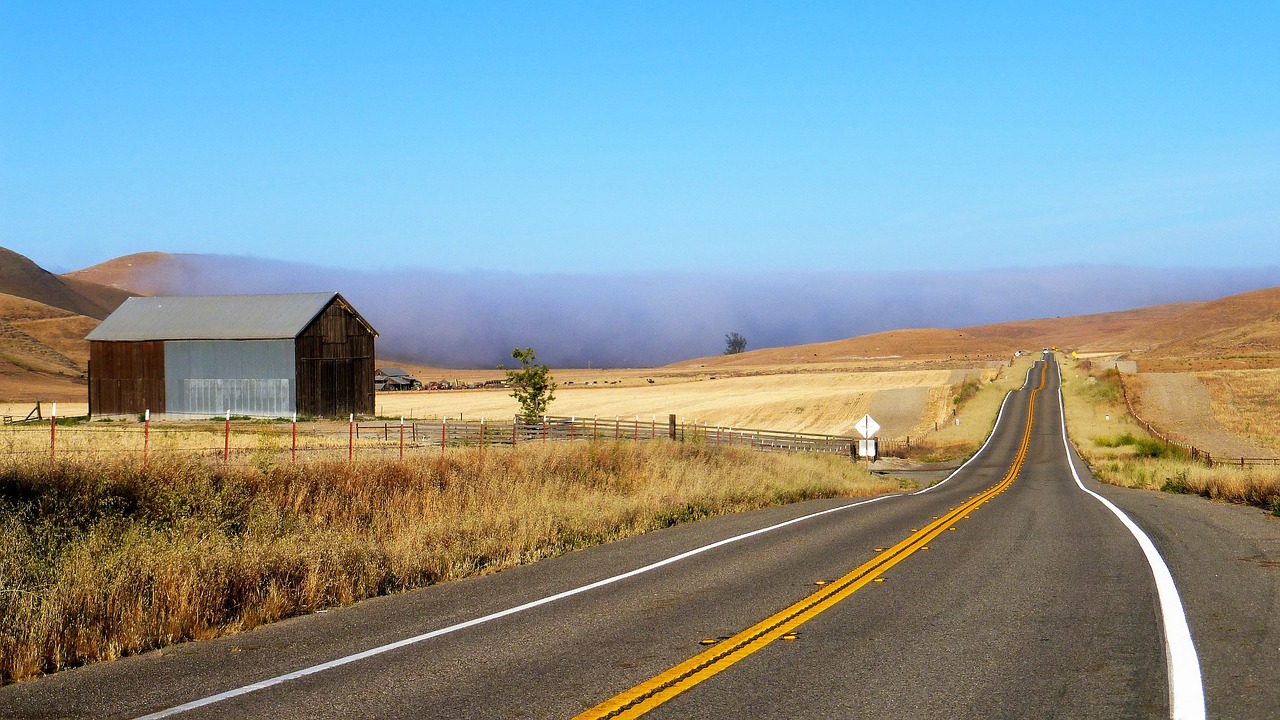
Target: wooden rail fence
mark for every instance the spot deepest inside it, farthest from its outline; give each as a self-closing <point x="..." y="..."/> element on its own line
<point x="227" y="439"/>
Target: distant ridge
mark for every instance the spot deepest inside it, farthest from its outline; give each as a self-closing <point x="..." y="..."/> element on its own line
<point x="21" y="277"/>
<point x="1237" y="331"/>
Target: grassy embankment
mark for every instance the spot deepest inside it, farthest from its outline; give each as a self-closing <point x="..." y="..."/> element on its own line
<point x="1121" y="453"/>
<point x="976" y="403"/>
<point x="105" y="558"/>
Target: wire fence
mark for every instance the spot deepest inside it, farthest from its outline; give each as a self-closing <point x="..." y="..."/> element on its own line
<point x="1190" y="450"/>
<point x="258" y="441"/>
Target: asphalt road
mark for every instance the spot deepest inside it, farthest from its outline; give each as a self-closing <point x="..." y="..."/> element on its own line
<point x="1039" y="603"/>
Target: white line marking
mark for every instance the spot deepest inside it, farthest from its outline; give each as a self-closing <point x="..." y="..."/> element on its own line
<point x="999" y="416"/>
<point x="263" y="684"/>
<point x="1186" y="687"/>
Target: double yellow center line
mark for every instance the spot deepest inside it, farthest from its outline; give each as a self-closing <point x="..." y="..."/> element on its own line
<point x="653" y="692"/>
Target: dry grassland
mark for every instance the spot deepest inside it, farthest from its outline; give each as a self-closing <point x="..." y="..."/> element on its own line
<point x="106" y="558"/>
<point x="1247" y="402"/>
<point x="1121" y="453"/>
<point x="978" y="407"/>
<point x="820" y="401"/>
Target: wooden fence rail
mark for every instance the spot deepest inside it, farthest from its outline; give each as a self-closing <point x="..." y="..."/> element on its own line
<point x="563" y="429"/>
<point x="240" y="440"/>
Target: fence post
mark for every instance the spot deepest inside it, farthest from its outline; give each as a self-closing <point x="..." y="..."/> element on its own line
<point x="351" y="438"/>
<point x="635" y="433"/>
<point x="293" y="447"/>
<point x="226" y="441"/>
<point x="671" y="426"/>
<point x="595" y="429"/>
<point x="515" y="419"/>
<point x="615" y="427"/>
<point x="146" y="436"/>
<point x="53" y="434"/>
<point x="402" y="437"/>
<point x="444" y="435"/>
<point x="544" y="429"/>
<point x="482" y="436"/>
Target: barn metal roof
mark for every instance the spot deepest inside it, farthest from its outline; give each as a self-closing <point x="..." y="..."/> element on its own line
<point x="214" y="317"/>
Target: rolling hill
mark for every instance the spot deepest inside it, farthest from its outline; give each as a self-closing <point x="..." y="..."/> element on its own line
<point x="20" y="277"/>
<point x="1238" y="331"/>
<point x="43" y="320"/>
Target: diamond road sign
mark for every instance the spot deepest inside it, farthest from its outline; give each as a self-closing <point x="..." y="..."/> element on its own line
<point x="867" y="427"/>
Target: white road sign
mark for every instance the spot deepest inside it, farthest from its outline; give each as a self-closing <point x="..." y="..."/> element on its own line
<point x="867" y="427"/>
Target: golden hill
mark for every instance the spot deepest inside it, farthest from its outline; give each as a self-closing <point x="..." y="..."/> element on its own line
<point x="1238" y="331"/>
<point x="21" y="277"/>
<point x="1113" y="331"/>
<point x="128" y="272"/>
<point x="43" y="354"/>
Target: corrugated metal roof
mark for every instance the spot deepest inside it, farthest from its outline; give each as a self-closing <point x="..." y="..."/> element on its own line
<point x="212" y="317"/>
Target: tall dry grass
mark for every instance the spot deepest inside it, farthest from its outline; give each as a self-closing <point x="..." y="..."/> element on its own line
<point x="1121" y="453"/>
<point x="1247" y="402"/>
<point x="105" y="558"/>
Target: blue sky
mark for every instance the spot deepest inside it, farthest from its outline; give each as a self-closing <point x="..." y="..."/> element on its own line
<point x="609" y="137"/>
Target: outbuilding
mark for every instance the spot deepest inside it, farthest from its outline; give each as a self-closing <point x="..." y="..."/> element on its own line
<point x="255" y="355"/>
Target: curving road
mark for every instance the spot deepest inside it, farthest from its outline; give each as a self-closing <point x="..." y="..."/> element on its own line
<point x="993" y="594"/>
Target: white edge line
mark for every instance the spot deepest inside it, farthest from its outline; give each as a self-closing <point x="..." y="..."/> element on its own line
<point x="1186" y="686"/>
<point x="263" y="684"/>
<point x="999" y="416"/>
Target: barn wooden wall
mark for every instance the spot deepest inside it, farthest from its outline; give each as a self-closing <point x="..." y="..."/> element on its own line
<point x="335" y="365"/>
<point x="126" y="378"/>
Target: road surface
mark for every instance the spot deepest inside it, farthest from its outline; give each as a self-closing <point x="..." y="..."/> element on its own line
<point x="990" y="595"/>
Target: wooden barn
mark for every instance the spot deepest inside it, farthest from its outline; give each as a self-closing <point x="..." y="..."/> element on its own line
<point x="255" y="355"/>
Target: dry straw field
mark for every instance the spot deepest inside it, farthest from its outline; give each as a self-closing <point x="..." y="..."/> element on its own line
<point x="828" y="400"/>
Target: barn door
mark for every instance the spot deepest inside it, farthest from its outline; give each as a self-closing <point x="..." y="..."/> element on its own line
<point x="329" y="402"/>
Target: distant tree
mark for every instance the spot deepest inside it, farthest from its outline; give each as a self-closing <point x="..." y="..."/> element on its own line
<point x="734" y="343"/>
<point x="531" y="385"/>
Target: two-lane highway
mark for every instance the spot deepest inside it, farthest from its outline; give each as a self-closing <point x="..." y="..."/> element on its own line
<point x="1005" y="591"/>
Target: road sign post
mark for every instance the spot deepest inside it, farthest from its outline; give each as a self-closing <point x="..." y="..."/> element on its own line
<point x="867" y="428"/>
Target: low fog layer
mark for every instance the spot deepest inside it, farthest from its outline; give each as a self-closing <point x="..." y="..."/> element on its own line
<point x="475" y="319"/>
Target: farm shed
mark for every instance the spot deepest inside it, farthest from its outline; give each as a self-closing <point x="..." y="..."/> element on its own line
<point x="256" y="355"/>
<point x="394" y="379"/>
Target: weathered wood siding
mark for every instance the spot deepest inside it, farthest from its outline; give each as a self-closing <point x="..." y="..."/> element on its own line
<point x="335" y="364"/>
<point x="126" y="378"/>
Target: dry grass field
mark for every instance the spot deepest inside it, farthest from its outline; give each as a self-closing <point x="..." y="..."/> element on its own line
<point x="106" y="558"/>
<point x="815" y="400"/>
<point x="1247" y="402"/>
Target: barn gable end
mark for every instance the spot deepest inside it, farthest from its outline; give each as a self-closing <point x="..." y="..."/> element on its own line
<point x="335" y="363"/>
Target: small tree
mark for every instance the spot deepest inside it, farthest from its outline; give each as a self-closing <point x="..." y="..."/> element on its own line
<point x="734" y="343"/>
<point x="531" y="385"/>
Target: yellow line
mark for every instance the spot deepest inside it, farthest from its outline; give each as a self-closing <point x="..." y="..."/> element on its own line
<point x="653" y="692"/>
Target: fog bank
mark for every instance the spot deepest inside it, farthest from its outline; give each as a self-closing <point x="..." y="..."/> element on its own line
<point x="475" y="319"/>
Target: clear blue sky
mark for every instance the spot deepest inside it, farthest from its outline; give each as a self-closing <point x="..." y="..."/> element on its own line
<point x="611" y="137"/>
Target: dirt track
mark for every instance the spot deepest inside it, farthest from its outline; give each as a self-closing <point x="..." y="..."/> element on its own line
<point x="1179" y="405"/>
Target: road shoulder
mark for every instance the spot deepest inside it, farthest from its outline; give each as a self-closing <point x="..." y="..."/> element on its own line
<point x="1225" y="560"/>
